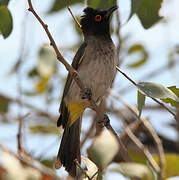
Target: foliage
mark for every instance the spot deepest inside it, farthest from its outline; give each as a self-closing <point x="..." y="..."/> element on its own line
<point x="59" y="5"/>
<point x="147" y="11"/>
<point x="144" y="55"/>
<point x="4" y="101"/>
<point x="101" y="4"/>
<point x="171" y="165"/>
<point x="6" y="22"/>
<point x="154" y="90"/>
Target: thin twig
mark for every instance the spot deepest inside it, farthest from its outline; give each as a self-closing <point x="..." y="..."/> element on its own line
<point x="158" y="143"/>
<point x="19" y="137"/>
<point x="126" y="76"/>
<point x="83" y="171"/>
<point x="119" y="37"/>
<point x="150" y="75"/>
<point x="135" y="84"/>
<point x="74" y="18"/>
<point x="133" y="127"/>
<point x="19" y="76"/>
<point x="142" y="148"/>
<point x="19" y="134"/>
<point x="95" y="174"/>
<point x="73" y="73"/>
<point x="124" y="152"/>
<point x="165" y="107"/>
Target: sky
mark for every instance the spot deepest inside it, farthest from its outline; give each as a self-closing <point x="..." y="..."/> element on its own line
<point x="157" y="39"/>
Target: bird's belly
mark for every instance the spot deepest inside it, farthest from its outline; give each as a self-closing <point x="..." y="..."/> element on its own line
<point x="99" y="79"/>
<point x="96" y="74"/>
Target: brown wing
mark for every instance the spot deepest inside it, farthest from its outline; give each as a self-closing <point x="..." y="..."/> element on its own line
<point x="64" y="114"/>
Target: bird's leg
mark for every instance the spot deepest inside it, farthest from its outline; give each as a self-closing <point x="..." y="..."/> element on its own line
<point x="104" y="122"/>
<point x="87" y="94"/>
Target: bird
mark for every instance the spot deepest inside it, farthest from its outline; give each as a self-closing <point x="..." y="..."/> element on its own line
<point x="95" y="62"/>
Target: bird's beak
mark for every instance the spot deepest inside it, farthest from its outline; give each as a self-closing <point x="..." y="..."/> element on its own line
<point x="110" y="11"/>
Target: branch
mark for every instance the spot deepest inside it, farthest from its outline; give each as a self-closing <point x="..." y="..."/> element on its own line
<point x="83" y="171"/>
<point x="76" y="77"/>
<point x="142" y="148"/>
<point x="119" y="37"/>
<point x="158" y="143"/>
<point x="135" y="84"/>
<point x="150" y="75"/>
<point x="19" y="134"/>
<point x="76" y="21"/>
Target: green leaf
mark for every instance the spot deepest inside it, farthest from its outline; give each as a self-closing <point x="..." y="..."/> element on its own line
<point x="132" y="170"/>
<point x="144" y="55"/>
<point x="33" y="73"/>
<point x="140" y="101"/>
<point x="171" y="166"/>
<point x="134" y="7"/>
<point x="5" y="21"/>
<point x="78" y="30"/>
<point x="103" y="149"/>
<point x="155" y="90"/>
<point x="138" y="157"/>
<point x="42" y="85"/>
<point x="59" y="4"/>
<point x="148" y="12"/>
<point x="48" y="129"/>
<point x="101" y="3"/>
<point x="4" y="2"/>
<point x="30" y="93"/>
<point x="15" y="67"/>
<point x="48" y="162"/>
<point x="170" y="100"/>
<point x="4" y="104"/>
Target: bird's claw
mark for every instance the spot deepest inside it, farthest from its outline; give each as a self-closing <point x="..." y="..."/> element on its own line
<point x="87" y="94"/>
<point x="104" y="122"/>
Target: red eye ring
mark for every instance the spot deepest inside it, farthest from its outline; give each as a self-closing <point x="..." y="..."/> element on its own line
<point x="98" y="18"/>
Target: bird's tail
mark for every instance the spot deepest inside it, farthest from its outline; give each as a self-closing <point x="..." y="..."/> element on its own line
<point x="70" y="147"/>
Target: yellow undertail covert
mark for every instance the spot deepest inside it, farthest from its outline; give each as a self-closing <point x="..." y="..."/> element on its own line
<point x="76" y="110"/>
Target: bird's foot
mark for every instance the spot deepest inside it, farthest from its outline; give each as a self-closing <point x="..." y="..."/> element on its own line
<point x="104" y="122"/>
<point x="87" y="94"/>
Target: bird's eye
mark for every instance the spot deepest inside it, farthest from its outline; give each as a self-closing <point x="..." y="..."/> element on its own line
<point x="98" y="18"/>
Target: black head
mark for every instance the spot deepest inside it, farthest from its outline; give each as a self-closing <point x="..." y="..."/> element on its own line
<point x="96" y="21"/>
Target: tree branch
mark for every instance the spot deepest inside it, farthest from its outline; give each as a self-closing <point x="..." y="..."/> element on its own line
<point x="135" y="84"/>
<point x="83" y="171"/>
<point x="78" y="24"/>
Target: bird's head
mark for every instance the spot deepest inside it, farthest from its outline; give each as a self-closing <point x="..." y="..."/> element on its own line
<point x="96" y="21"/>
